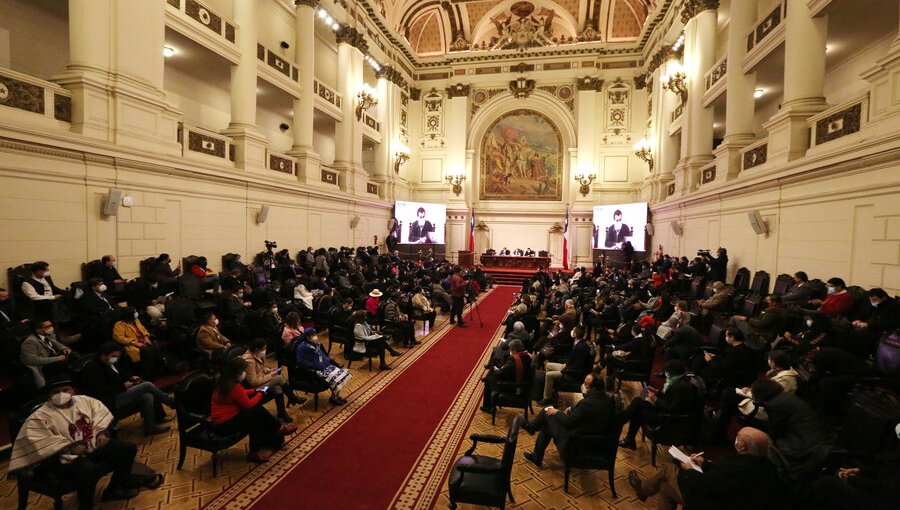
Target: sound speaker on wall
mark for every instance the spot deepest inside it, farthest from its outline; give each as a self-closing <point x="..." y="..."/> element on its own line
<point x="650" y="229"/>
<point x="757" y="222"/>
<point x="354" y="222"/>
<point x="676" y="227"/>
<point x="262" y="215"/>
<point x="111" y="207"/>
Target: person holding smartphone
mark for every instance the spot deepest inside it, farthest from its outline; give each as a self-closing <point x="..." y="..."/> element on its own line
<point x="261" y="376"/>
<point x="236" y="409"/>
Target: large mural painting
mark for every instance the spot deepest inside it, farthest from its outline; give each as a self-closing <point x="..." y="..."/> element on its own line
<point x="521" y="158"/>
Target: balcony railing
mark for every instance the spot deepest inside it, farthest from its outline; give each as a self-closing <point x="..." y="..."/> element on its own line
<point x="708" y="173"/>
<point x="201" y="144"/>
<point x="765" y="36"/>
<point x="277" y="64"/>
<point x="206" y="17"/>
<point x="838" y="121"/>
<point x="372" y="188"/>
<point x="716" y="73"/>
<point x="33" y="95"/>
<point x="279" y="162"/>
<point x="754" y="154"/>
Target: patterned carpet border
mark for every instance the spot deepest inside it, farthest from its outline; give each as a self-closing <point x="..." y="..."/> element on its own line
<point x="425" y="479"/>
<point x="255" y="484"/>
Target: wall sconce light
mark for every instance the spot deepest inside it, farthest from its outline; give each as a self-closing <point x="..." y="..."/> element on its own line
<point x="456" y="181"/>
<point x="585" y="179"/>
<point x="676" y="81"/>
<point x="644" y="152"/>
<point x="168" y="51"/>
<point x="366" y="98"/>
<point x="401" y="156"/>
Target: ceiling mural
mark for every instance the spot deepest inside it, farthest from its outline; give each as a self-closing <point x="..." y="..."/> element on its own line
<point x="437" y="27"/>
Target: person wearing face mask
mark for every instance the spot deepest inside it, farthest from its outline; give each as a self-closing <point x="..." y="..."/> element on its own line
<point x="736" y="365"/>
<point x="593" y="414"/>
<point x="508" y="374"/>
<point x="95" y="302"/>
<point x="718" y="301"/>
<point x="68" y="434"/>
<point x="146" y="294"/>
<point x="677" y="396"/>
<point x="43" y="353"/>
<point x="234" y="306"/>
<point x="259" y="375"/>
<point x="310" y="354"/>
<point x="769" y="324"/>
<point x="235" y="409"/>
<point x="108" y="271"/>
<point x="40" y="290"/>
<point x="107" y="380"/>
<point x="209" y="338"/>
<point x="135" y="340"/>
<point x="167" y="277"/>
<point x="748" y="480"/>
<point x="838" y="303"/>
<point x="617" y="232"/>
<point x="884" y="315"/>
<point x="420" y="228"/>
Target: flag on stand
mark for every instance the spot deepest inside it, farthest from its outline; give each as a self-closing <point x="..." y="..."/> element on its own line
<point x="472" y="231"/>
<point x="565" y="254"/>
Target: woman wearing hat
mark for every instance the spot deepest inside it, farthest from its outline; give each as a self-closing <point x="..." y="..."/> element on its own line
<point x="365" y="338"/>
<point x="310" y="354"/>
<point x="373" y="302"/>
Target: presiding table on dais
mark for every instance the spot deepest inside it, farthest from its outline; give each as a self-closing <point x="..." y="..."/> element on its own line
<point x="513" y="262"/>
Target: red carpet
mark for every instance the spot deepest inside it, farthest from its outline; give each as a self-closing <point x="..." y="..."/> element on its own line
<point x="370" y="453"/>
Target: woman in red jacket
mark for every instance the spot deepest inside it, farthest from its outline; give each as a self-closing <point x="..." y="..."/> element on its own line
<point x="235" y="409"/>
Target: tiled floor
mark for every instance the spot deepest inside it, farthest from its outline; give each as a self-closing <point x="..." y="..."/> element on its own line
<point x="193" y="486"/>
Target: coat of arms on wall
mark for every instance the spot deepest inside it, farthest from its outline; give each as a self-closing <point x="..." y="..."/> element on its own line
<point x="522" y="28"/>
<point x="521" y="158"/>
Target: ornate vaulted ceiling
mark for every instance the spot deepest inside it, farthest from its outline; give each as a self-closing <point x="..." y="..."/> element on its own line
<point x="438" y="27"/>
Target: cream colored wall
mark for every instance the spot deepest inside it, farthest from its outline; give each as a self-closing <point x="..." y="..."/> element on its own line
<point x="277" y="24"/>
<point x="326" y="55"/>
<point x="38" y="49"/>
<point x="203" y="104"/>
<point x="835" y="225"/>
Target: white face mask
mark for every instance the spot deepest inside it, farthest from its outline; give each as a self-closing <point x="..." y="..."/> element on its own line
<point x="46" y="273"/>
<point x="809" y="324"/>
<point x="831" y="290"/>
<point x="101" y="288"/>
<point x="584" y="389"/>
<point x="216" y="322"/>
<point x="262" y="354"/>
<point x="154" y="285"/>
<point x="61" y="399"/>
<point x="242" y="376"/>
<point x="113" y="360"/>
<point x="115" y="264"/>
<point x="136" y="315"/>
<point x="875" y="303"/>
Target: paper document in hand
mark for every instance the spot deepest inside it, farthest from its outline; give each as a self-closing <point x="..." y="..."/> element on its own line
<point x="680" y="456"/>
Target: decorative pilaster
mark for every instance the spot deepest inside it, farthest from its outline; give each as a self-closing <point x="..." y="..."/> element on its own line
<point x="587" y="115"/>
<point x="804" y="82"/>
<point x="348" y="142"/>
<point x="457" y="118"/>
<point x="308" y="160"/>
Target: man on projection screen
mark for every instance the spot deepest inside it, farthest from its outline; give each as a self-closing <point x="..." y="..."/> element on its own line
<point x="617" y="232"/>
<point x="420" y="229"/>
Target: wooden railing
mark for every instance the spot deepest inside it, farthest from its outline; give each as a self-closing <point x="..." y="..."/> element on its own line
<point x="199" y="143"/>
<point x="716" y="72"/>
<point x="33" y="95"/>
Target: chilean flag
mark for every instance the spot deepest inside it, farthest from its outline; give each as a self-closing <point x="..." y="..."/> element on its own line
<point x="565" y="255"/>
<point x="472" y="231"/>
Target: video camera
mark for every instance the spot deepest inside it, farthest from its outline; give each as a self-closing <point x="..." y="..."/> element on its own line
<point x="701" y="253"/>
<point x="271" y="244"/>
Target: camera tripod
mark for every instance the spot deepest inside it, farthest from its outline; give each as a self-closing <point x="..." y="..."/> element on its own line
<point x="473" y="308"/>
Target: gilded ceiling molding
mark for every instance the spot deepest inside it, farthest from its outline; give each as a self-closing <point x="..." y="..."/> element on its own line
<point x="308" y="3"/>
<point x="692" y="8"/>
<point x="415" y="93"/>
<point x="640" y="81"/>
<point x="664" y="55"/>
<point x="353" y="37"/>
<point x="589" y="83"/>
<point x="458" y="90"/>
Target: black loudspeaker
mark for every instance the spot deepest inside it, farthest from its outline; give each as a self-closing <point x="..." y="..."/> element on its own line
<point x="111" y="207"/>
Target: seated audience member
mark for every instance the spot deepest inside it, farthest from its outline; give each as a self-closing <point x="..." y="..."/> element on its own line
<point x="814" y="332"/>
<point x="94" y="301"/>
<point x="406" y="332"/>
<point x="736" y="362"/>
<point x="639" y="348"/>
<point x="259" y="375"/>
<point x="519" y="333"/>
<point x="440" y="298"/>
<point x="303" y="297"/>
<point x="165" y="275"/>
<point x="311" y="354"/>
<point x="741" y="399"/>
<point x="70" y="433"/>
<point x="342" y="314"/>
<point x="235" y="309"/>
<point x="292" y="328"/>
<point x="594" y="414"/>
<point x="883" y="316"/>
<point x="207" y="276"/>
<point x="39" y="288"/>
<point x="9" y="314"/>
<point x="579" y="363"/>
<point x="271" y="324"/>
<point x="422" y="308"/>
<point x="504" y="251"/>
<point x="146" y="294"/>
<point x="209" y="339"/>
<point x="513" y="372"/>
<point x="518" y="252"/>
<point x="236" y="409"/>
<point x="800" y="293"/>
<point x="872" y="484"/>
<point x="678" y="396"/>
<point x="109" y="273"/>
<point x="718" y="301"/>
<point x="529" y="252"/>
<point x="365" y="338"/>
<point x="680" y="317"/>
<point x="769" y="324"/>
<point x="109" y="383"/>
<point x="838" y="303"/>
<point x="684" y="344"/>
<point x="799" y="435"/>
<point x="373" y="302"/>
<point x="747" y="480"/>
<point x="137" y="344"/>
<point x="43" y="353"/>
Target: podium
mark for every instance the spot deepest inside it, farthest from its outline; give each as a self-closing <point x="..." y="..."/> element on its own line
<point x="466" y="259"/>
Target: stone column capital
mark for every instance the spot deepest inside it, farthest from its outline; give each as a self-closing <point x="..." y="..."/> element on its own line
<point x="306" y="3"/>
<point x="694" y="7"/>
<point x="353" y="37"/>
<point x="458" y="90"/>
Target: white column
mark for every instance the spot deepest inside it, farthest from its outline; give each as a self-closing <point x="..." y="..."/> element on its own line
<point x="115" y="74"/>
<point x="457" y="115"/>
<point x="804" y="82"/>
<point x="250" y="145"/>
<point x="308" y="159"/>
<point x="666" y="151"/>
<point x="348" y="142"/>
<point x="587" y="117"/>
<point x="697" y="129"/>
<point x="739" y="102"/>
<point x="384" y="152"/>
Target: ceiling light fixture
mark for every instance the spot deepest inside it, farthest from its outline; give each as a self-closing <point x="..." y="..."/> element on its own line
<point x="758" y="93"/>
<point x="168" y="51"/>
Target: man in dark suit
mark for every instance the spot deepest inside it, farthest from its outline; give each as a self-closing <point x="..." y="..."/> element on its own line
<point x="594" y="414"/>
<point x="678" y="396"/>
<point x="516" y="369"/>
<point x="747" y="480"/>
<point x="736" y="366"/>
<point x="419" y="229"/>
<point x="94" y="301"/>
<point x="617" y="232"/>
<point x="579" y="364"/>
<point x="106" y="381"/>
<point x="108" y="271"/>
<point x="801" y="292"/>
<point x="504" y="251"/>
<point x="769" y="324"/>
